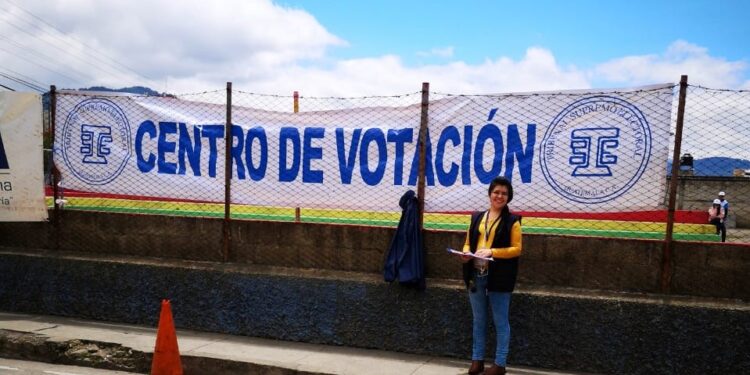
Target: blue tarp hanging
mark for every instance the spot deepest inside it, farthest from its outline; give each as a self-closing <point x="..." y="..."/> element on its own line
<point x="405" y="259"/>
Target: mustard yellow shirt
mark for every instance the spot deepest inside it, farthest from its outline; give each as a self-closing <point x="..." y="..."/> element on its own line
<point x="514" y="250"/>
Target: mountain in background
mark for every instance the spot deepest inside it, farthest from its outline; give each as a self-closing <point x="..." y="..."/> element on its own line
<point x="138" y="90"/>
<point x="715" y="166"/>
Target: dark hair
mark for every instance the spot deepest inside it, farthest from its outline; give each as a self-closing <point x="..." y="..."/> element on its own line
<point x="501" y="181"/>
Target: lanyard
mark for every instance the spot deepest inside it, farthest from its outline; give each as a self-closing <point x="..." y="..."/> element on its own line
<point x="486" y="230"/>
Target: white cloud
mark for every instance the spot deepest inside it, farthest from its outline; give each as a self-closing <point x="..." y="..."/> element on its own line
<point x="385" y="75"/>
<point x="263" y="47"/>
<point x="212" y="42"/>
<point x="680" y="58"/>
<point x="444" y="52"/>
<point x="257" y="45"/>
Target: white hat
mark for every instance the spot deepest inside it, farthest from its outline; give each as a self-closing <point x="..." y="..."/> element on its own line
<point x="716" y="201"/>
<point x="721" y="193"/>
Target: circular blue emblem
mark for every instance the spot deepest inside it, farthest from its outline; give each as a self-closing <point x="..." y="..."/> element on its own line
<point x="596" y="149"/>
<point x="96" y="141"/>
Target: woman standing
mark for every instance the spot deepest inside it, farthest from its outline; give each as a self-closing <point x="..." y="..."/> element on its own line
<point x="493" y="234"/>
<point x="716" y="217"/>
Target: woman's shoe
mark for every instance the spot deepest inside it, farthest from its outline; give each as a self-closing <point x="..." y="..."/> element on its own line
<point x="476" y="367"/>
<point x="495" y="370"/>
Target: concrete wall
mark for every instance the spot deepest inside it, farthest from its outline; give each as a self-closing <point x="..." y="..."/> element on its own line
<point x="696" y="193"/>
<point x="699" y="269"/>
<point x="584" y="304"/>
<point x="615" y="333"/>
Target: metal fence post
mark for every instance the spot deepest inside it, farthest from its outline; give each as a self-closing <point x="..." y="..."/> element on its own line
<point x="227" y="176"/>
<point x="423" y="124"/>
<point x="296" y="110"/>
<point x="55" y="174"/>
<point x="666" y="265"/>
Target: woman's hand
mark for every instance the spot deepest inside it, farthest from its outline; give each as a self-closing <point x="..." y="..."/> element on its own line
<point x="465" y="258"/>
<point x="484" y="253"/>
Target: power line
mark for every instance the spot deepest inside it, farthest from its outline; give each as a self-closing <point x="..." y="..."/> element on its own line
<point x="27" y="49"/>
<point x="44" y="56"/>
<point x="7" y="87"/>
<point x="92" y="52"/>
<point x="40" y="65"/>
<point x="23" y="82"/>
<point x="40" y="55"/>
<point x="22" y="76"/>
<point x="64" y="38"/>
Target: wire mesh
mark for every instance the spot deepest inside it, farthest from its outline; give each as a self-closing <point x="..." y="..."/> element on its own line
<point x="48" y="138"/>
<point x="593" y="163"/>
<point x="582" y="163"/>
<point x="716" y="127"/>
<point x="141" y="154"/>
<point x="715" y="157"/>
<point x="323" y="160"/>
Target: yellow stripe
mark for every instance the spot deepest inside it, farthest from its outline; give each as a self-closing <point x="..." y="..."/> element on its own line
<point x="455" y="219"/>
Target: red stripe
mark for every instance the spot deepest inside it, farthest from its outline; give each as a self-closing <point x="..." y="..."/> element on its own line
<point x="86" y="194"/>
<point x="659" y="216"/>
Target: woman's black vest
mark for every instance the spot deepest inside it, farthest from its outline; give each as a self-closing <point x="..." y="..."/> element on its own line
<point x="502" y="272"/>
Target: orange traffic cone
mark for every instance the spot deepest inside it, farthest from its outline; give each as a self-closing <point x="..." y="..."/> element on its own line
<point x="166" y="353"/>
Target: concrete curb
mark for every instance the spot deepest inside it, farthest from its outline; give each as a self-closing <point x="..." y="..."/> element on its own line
<point x="96" y="354"/>
<point x="110" y="356"/>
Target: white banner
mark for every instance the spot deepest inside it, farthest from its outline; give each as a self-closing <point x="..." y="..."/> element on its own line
<point x="570" y="151"/>
<point x="21" y="167"/>
<point x="567" y="151"/>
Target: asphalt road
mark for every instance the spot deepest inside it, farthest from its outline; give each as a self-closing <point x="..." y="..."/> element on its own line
<point x="17" y="367"/>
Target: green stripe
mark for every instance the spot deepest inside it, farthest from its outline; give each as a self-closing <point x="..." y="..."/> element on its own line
<point x="394" y="223"/>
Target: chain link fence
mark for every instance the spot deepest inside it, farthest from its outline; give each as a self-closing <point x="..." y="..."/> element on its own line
<point x="715" y="158"/>
<point x="84" y="145"/>
<point x="590" y="163"/>
<point x="574" y="161"/>
<point x="322" y="142"/>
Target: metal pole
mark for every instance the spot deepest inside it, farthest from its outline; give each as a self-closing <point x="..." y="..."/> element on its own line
<point x="296" y="102"/>
<point x="666" y="262"/>
<point x="227" y="176"/>
<point x="296" y="110"/>
<point x="52" y="105"/>
<point x="423" y="124"/>
<point x="55" y="172"/>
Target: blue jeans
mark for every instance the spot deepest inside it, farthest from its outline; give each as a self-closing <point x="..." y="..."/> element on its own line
<point x="500" y="305"/>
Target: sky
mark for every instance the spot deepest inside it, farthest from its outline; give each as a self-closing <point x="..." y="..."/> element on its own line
<point x="380" y="47"/>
